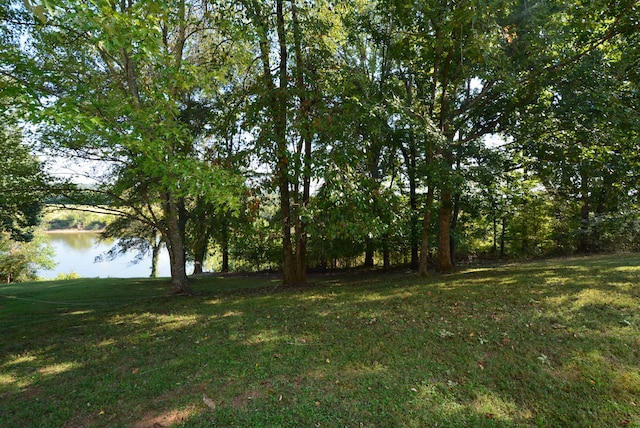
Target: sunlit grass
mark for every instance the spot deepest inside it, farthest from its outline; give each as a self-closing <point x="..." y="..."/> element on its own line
<point x="159" y="322"/>
<point x="58" y="368"/>
<point x="550" y="344"/>
<point x="20" y="359"/>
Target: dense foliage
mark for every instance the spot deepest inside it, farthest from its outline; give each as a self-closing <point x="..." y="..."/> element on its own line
<point x="21" y="191"/>
<point x="20" y="261"/>
<point x="290" y="134"/>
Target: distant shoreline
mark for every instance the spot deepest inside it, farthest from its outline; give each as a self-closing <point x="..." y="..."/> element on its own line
<point x="74" y="231"/>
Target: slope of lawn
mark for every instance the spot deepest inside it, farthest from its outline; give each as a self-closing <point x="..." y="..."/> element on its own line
<point x="550" y="344"/>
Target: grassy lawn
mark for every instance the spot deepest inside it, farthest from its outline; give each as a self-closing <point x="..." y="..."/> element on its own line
<point x="550" y="344"/>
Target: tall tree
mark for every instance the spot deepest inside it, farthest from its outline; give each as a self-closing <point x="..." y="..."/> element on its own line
<point x="289" y="42"/>
<point x="473" y="63"/>
<point x="583" y="141"/>
<point x="23" y="185"/>
<point x="23" y="182"/>
<point x="115" y="80"/>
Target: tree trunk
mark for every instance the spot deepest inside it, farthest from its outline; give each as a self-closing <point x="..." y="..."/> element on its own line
<point x="301" y="254"/>
<point x="444" y="244"/>
<point x="202" y="219"/>
<point x="225" y="246"/>
<point x="413" y="202"/>
<point x="452" y="228"/>
<point x="175" y="245"/>
<point x="277" y="100"/>
<point x="494" y="250"/>
<point x="156" y="245"/>
<point x="368" y="258"/>
<point x="304" y="147"/>
<point x="199" y="253"/>
<point x="386" y="254"/>
<point x="409" y="155"/>
<point x="279" y="109"/>
<point x="426" y="229"/>
<point x="413" y="207"/>
<point x="197" y="267"/>
<point x="583" y="245"/>
<point x="225" y="259"/>
<point x="289" y="270"/>
<point x="524" y="238"/>
<point x="373" y="161"/>
<point x="179" y="279"/>
<point x="503" y="232"/>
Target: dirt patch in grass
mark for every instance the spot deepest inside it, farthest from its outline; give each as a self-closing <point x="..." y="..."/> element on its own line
<point x="242" y="401"/>
<point x="81" y="422"/>
<point x="153" y="419"/>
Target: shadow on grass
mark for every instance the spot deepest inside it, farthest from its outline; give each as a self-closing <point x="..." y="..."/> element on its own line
<point x="546" y="344"/>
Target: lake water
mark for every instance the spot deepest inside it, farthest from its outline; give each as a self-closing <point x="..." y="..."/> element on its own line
<point x="76" y="252"/>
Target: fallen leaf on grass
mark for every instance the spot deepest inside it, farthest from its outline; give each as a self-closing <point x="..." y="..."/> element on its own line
<point x="208" y="402"/>
<point x="625" y="423"/>
<point x="544" y="359"/>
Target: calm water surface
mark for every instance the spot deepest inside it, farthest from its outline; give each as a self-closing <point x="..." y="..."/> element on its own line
<point x="77" y="251"/>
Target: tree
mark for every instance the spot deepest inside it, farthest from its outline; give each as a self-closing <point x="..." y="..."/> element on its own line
<point x="583" y="141"/>
<point x="290" y="47"/>
<point x="225" y="146"/>
<point x="473" y="64"/>
<point x="379" y="103"/>
<point x="23" y="183"/>
<point x="20" y="261"/>
<point x="23" y="186"/>
<point x="117" y="80"/>
<point x="134" y="235"/>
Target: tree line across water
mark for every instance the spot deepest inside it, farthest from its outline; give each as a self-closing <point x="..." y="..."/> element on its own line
<point x="292" y="134"/>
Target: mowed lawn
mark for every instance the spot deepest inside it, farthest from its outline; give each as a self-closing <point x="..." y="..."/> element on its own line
<point x="549" y="344"/>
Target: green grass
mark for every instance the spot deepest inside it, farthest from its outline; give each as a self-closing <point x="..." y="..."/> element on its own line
<point x="549" y="344"/>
